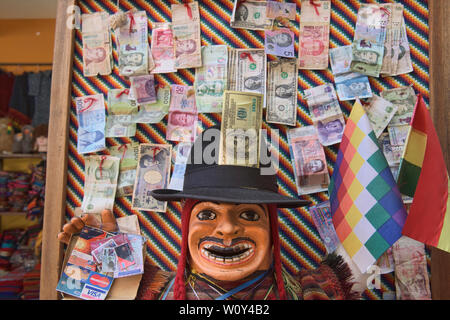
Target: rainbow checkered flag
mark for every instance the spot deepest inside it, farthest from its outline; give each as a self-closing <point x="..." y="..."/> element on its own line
<point x="366" y="205"/>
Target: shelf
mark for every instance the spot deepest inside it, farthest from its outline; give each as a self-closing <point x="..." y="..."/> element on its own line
<point x="12" y="213"/>
<point x="22" y="155"/>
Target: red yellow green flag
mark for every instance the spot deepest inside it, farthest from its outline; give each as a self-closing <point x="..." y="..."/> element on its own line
<point x="423" y="175"/>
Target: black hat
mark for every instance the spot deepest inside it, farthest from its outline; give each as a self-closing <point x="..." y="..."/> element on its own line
<point x="226" y="183"/>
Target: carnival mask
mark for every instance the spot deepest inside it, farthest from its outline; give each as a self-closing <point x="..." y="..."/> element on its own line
<point x="229" y="242"/>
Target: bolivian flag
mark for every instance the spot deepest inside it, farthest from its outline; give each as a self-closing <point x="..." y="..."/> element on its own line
<point x="423" y="175"/>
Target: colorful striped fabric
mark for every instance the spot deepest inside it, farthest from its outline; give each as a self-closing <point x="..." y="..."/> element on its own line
<point x="300" y="241"/>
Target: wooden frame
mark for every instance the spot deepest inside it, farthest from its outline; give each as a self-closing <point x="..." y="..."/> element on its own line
<point x="55" y="201"/>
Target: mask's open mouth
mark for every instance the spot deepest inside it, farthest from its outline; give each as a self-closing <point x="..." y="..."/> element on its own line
<point x="227" y="255"/>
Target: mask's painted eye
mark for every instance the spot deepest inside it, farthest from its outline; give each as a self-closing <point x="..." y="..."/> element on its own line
<point x="249" y="216"/>
<point x="206" y="215"/>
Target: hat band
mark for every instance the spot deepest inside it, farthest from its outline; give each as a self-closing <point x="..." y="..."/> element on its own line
<point x="226" y="176"/>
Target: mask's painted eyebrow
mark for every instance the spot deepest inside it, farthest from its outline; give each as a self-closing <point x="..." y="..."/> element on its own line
<point x="218" y="203"/>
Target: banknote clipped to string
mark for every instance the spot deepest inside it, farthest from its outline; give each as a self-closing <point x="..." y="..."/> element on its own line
<point x="308" y="160"/>
<point x="100" y="183"/>
<point x="132" y="39"/>
<point x="97" y="47"/>
<point x="121" y="111"/>
<point x="186" y="33"/>
<point x="91" y="123"/>
<point x="250" y="14"/>
<point x="314" y="34"/>
<point x="282" y="92"/>
<point x="153" y="170"/>
<point x="183" y="114"/>
<point x="128" y="154"/>
<point x="211" y="79"/>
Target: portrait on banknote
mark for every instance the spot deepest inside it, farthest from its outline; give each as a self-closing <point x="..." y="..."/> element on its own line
<point x="152" y="172"/>
<point x="330" y="130"/>
<point x="280" y="43"/>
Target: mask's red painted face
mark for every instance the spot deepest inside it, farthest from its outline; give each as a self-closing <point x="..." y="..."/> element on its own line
<point x="229" y="242"/>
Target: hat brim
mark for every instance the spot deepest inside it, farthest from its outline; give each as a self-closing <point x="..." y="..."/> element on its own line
<point x="230" y="195"/>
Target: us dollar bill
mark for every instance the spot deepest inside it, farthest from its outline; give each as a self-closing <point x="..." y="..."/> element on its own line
<point x="405" y="99"/>
<point x="132" y="39"/>
<point x="154" y="112"/>
<point x="100" y="183"/>
<point x="380" y="112"/>
<point x="128" y="154"/>
<point x="282" y="92"/>
<point x="368" y="42"/>
<point x="250" y="15"/>
<point x="211" y="79"/>
<point x="97" y="48"/>
<point x="240" y="133"/>
<point x="308" y="160"/>
<point x="120" y="113"/>
<point x="152" y="173"/>
<point x="186" y="32"/>
<point x="91" y="123"/>
<point x="251" y="71"/>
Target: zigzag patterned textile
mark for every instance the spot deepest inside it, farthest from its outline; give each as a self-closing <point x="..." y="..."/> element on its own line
<point x="300" y="241"/>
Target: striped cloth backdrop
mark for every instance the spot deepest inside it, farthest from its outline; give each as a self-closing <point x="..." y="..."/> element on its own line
<point x="300" y="241"/>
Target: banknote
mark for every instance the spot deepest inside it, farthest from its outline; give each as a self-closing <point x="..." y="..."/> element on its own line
<point x="100" y="183"/>
<point x="308" y="160"/>
<point x="326" y="113"/>
<point x="404" y="64"/>
<point x="411" y="275"/>
<point x="340" y="60"/>
<point x="391" y="153"/>
<point x="314" y="35"/>
<point x="250" y="15"/>
<point x="91" y="123"/>
<point x="143" y="88"/>
<point x="386" y="262"/>
<point x="120" y="113"/>
<point x="251" y="71"/>
<point x="132" y="39"/>
<point x="97" y="48"/>
<point x="369" y="39"/>
<point x="183" y="115"/>
<point x="162" y="48"/>
<point x="280" y="42"/>
<point x="405" y="99"/>
<point x="380" y="113"/>
<point x="392" y="42"/>
<point x="313" y="46"/>
<point x="321" y="215"/>
<point x="152" y="173"/>
<point x="154" y="112"/>
<point x="398" y="134"/>
<point x="181" y="156"/>
<point x="352" y="86"/>
<point x="240" y="130"/>
<point x="186" y="32"/>
<point x="282" y="92"/>
<point x="232" y="66"/>
<point x="128" y="155"/>
<point x="211" y="79"/>
<point x="276" y="9"/>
